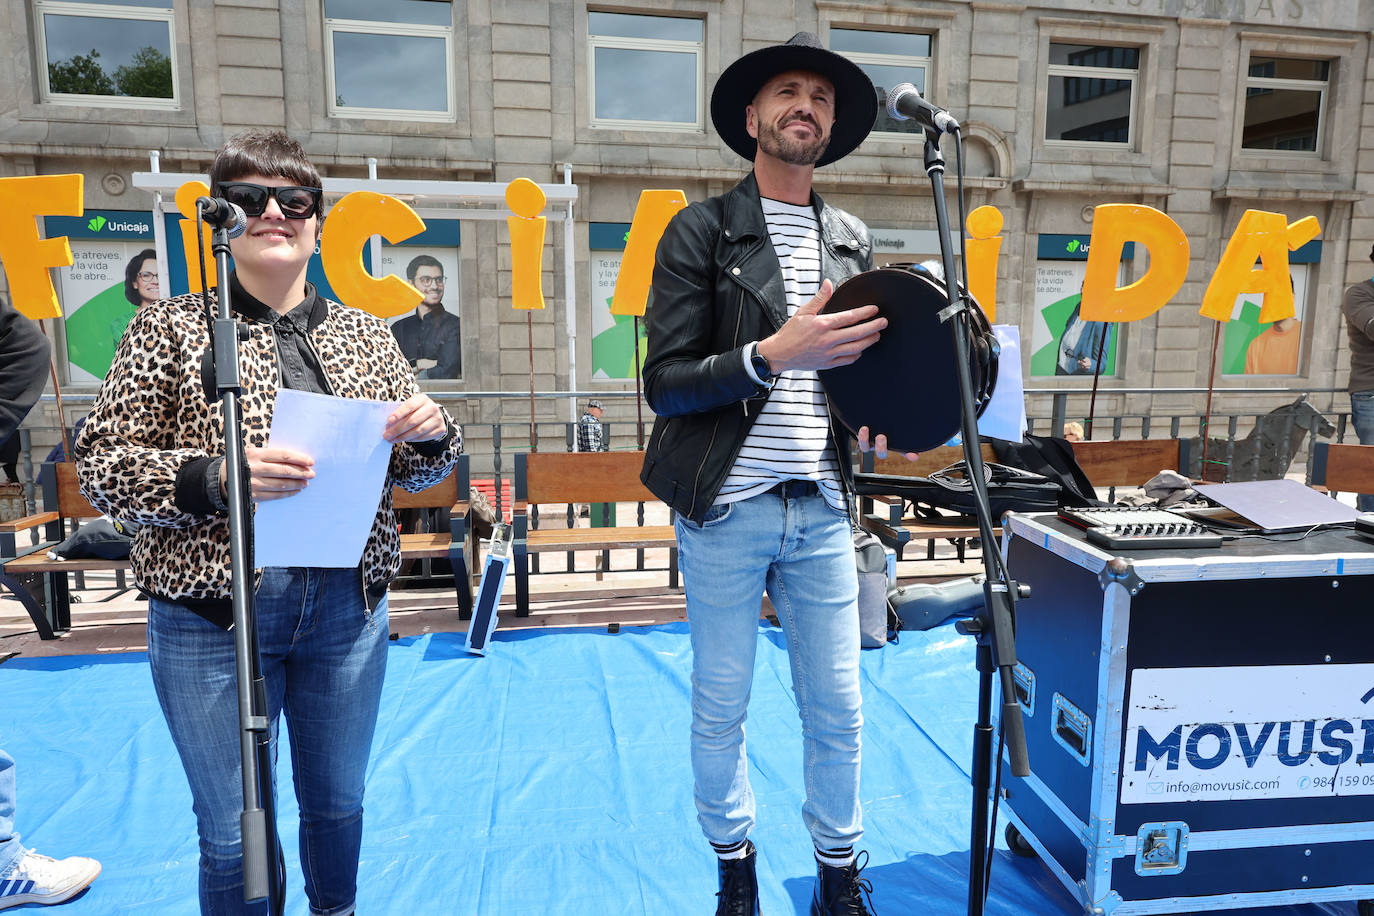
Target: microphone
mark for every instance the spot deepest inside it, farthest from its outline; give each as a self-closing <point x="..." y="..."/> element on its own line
<point x="221" y="213"/>
<point x="905" y="103"/>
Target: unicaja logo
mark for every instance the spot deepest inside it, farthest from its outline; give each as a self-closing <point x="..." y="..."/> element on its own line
<point x="96" y="224"/>
<point x="1072" y="246"/>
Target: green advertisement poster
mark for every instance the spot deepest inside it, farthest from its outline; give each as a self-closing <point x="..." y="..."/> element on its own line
<point x="1252" y="348"/>
<point x="1061" y="343"/>
<point x="95" y="305"/>
<point x="613" y="336"/>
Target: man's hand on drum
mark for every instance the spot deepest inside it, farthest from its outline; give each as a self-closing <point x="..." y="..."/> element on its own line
<point x="879" y="445"/>
<point x="810" y="340"/>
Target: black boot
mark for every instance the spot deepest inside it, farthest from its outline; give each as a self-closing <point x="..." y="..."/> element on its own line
<point x="841" y="892"/>
<point x="739" y="886"/>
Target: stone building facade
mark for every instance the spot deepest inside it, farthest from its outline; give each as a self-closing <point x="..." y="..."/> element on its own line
<point x="1200" y="108"/>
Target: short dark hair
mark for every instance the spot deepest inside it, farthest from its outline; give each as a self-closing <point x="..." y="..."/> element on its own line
<point x="1371" y="254"/>
<point x="131" y="275"/>
<point x="271" y="154"/>
<point x="421" y="260"/>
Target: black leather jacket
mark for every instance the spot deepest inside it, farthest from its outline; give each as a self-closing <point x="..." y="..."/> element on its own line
<point x="717" y="287"/>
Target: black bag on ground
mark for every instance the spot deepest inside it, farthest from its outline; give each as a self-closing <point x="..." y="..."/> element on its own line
<point x="1009" y="489"/>
<point x="1052" y="458"/>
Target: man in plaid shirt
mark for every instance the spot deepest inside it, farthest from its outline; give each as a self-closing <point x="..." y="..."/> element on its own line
<point x="590" y="435"/>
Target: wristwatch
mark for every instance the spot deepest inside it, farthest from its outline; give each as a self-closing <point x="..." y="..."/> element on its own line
<point x="760" y="364"/>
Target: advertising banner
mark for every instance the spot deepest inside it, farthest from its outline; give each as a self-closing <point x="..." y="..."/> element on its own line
<point x="613" y="336"/>
<point x="1219" y="734"/>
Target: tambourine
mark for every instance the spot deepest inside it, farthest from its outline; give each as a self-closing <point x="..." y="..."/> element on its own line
<point x="906" y="386"/>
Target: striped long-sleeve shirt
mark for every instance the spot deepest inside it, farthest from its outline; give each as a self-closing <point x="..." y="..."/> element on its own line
<point x="791" y="437"/>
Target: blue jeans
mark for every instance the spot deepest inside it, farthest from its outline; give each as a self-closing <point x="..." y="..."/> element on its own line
<point x="1362" y="415"/>
<point x="323" y="659"/>
<point x="10" y="850"/>
<point x="796" y="546"/>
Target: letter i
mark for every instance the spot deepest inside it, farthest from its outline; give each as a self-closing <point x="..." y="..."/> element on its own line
<point x="983" y="246"/>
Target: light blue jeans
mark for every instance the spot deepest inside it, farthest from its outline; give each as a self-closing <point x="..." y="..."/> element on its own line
<point x="1362" y="415"/>
<point x="792" y="543"/>
<point x="323" y="658"/>
<point x="10" y="850"/>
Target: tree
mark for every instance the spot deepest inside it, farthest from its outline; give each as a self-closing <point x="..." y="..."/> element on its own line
<point x="80" y="74"/>
<point x="147" y="76"/>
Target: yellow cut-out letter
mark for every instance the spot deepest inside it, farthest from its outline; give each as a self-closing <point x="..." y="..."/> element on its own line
<point x="1113" y="226"/>
<point x="186" y="206"/>
<point x="526" y="200"/>
<point x="24" y="254"/>
<point x="352" y="221"/>
<point x="983" y="246"/>
<point x="652" y="214"/>
<point x="1266" y="237"/>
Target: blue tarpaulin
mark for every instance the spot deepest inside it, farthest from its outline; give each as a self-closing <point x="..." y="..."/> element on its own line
<point x="550" y="777"/>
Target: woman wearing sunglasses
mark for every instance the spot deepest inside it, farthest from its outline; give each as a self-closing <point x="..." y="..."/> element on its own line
<point x="152" y="451"/>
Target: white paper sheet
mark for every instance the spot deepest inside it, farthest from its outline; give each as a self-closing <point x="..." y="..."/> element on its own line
<point x="1005" y="415"/>
<point x="327" y="523"/>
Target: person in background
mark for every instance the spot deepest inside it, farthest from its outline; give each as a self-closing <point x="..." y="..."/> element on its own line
<point x="1358" y="308"/>
<point x="431" y="338"/>
<point x="27" y="876"/>
<point x="140" y="279"/>
<point x="591" y="435"/>
<point x="1073" y="431"/>
<point x="152" y="452"/>
<point x="1079" y="345"/>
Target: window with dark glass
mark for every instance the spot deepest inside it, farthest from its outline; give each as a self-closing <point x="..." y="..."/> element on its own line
<point x="646" y="71"/>
<point x="390" y="59"/>
<point x="1284" y="100"/>
<point x="107" y="52"/>
<point x="889" y="59"/>
<point x="1091" y="93"/>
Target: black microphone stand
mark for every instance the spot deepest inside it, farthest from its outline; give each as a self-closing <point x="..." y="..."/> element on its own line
<point x="994" y="627"/>
<point x="263" y="866"/>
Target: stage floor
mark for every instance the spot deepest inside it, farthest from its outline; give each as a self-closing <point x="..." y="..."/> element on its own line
<point x="550" y="778"/>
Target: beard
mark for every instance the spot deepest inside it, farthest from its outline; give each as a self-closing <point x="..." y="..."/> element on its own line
<point x="788" y="149"/>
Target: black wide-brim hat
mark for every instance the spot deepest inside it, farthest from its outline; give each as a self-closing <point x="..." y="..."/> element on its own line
<point x="856" y="101"/>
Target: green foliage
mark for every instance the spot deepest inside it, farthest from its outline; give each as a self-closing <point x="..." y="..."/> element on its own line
<point x="147" y="76"/>
<point x="80" y="74"/>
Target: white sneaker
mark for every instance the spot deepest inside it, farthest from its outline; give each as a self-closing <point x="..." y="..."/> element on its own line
<point x="42" y="879"/>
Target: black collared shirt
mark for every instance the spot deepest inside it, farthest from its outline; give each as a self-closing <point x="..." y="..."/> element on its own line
<point x="298" y="363"/>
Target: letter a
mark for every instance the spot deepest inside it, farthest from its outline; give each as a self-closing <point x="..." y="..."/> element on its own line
<point x="1266" y="237"/>
<point x="652" y="214"/>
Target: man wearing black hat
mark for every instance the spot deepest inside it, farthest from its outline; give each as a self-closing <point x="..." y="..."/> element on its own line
<point x="747" y="453"/>
<point x="1358" y="306"/>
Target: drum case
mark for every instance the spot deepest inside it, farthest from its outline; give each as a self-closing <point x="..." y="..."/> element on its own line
<point x="1134" y="814"/>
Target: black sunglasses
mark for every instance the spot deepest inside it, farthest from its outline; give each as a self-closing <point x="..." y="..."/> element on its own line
<point x="294" y="202"/>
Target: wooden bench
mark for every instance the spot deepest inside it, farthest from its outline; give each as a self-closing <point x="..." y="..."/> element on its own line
<point x="41" y="586"/>
<point x="1109" y="464"/>
<point x="1342" y="467"/>
<point x="579" y="477"/>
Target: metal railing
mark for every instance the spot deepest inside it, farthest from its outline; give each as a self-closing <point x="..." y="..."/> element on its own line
<point x="491" y="444"/>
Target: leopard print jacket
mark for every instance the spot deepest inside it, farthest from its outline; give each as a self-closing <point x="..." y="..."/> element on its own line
<point x="151" y="418"/>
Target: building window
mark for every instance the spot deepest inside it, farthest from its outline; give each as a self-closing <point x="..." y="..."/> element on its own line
<point x="1091" y="93"/>
<point x="1284" y="102"/>
<point x="107" y="52"/>
<point x="646" y="71"/>
<point x="389" y="59"/>
<point x="889" y="58"/>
